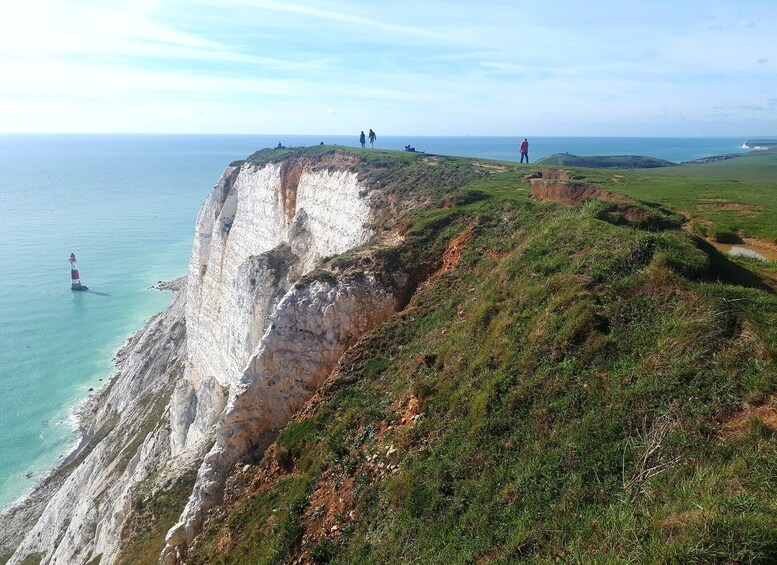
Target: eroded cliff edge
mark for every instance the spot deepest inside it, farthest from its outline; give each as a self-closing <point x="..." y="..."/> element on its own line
<point x="264" y="318"/>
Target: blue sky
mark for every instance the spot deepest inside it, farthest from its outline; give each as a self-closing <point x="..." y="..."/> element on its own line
<point x="512" y="67"/>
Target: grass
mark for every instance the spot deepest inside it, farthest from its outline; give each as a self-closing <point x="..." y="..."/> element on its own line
<point x="572" y="376"/>
<point x="153" y="514"/>
<point x="276" y="512"/>
<point x="734" y="196"/>
<point x="604" y="162"/>
<point x="757" y="167"/>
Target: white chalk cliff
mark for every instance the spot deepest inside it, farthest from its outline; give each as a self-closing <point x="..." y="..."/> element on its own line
<point x="205" y="383"/>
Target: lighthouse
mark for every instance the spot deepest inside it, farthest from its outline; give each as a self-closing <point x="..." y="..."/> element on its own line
<point x="75" y="281"/>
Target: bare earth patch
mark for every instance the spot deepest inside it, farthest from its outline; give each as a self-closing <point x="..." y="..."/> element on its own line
<point x="762" y="243"/>
<point x="717" y="204"/>
<point x="628" y="213"/>
<point x="684" y="519"/>
<point x="739" y="423"/>
<point x="555" y="174"/>
<point x="571" y="193"/>
<point x="330" y="502"/>
<point x="493" y="167"/>
<point x="452" y="254"/>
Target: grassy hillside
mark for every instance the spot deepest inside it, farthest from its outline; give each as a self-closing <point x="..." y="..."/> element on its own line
<point x="732" y="196"/>
<point x="605" y="162"/>
<point x="753" y="167"/>
<point x="570" y="387"/>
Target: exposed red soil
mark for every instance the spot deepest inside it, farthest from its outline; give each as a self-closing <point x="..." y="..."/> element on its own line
<point x="555" y="174"/>
<point x="291" y="171"/>
<point x="329" y="504"/>
<point x="452" y="254"/>
<point x="628" y="213"/>
<point x="554" y="186"/>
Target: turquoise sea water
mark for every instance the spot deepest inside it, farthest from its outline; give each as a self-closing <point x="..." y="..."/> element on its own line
<point x="126" y="205"/>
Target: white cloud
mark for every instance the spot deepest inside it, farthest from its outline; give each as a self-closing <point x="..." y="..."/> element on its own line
<point x="56" y="30"/>
<point x="331" y="14"/>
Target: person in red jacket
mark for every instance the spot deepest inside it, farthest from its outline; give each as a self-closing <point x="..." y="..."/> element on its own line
<point x="525" y="150"/>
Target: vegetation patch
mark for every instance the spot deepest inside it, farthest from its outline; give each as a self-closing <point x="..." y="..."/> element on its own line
<point x="153" y="513"/>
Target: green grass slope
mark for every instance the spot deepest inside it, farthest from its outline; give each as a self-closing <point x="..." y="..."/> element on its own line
<point x="752" y="167"/>
<point x="605" y="162"/>
<point x="575" y="389"/>
<point x="735" y="196"/>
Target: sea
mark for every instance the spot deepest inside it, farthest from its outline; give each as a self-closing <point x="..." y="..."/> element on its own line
<point x="126" y="206"/>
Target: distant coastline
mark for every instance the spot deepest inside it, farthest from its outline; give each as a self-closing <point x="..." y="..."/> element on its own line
<point x="760" y="144"/>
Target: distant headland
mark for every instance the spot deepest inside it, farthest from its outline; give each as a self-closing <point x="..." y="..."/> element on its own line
<point x="761" y="144"/>
<point x="605" y="161"/>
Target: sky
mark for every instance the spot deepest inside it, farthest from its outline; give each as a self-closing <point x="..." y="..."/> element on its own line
<point x="421" y="67"/>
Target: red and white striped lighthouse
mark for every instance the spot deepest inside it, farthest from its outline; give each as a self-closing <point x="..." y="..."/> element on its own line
<point x="75" y="281"/>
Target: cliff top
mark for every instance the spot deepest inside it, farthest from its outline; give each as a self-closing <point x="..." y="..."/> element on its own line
<point x="572" y="378"/>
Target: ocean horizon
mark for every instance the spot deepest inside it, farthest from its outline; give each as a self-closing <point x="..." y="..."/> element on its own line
<point x="126" y="205"/>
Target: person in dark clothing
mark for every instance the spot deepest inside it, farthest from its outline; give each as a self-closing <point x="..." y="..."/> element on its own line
<point x="373" y="137"/>
<point x="361" y="139"/>
<point x="524" y="150"/>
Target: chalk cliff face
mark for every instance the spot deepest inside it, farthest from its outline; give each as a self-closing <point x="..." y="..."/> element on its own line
<point x="258" y="232"/>
<point x="240" y="350"/>
<point x="251" y="331"/>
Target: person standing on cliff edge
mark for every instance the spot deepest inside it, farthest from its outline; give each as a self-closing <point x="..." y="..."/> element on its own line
<point x="525" y="150"/>
<point x="361" y="139"/>
<point x="372" y="137"/>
